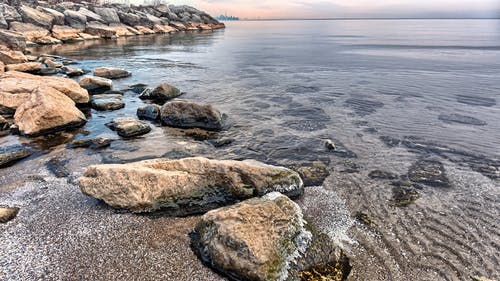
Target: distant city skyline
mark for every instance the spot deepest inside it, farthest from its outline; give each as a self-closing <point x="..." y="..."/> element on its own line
<point x="281" y="9"/>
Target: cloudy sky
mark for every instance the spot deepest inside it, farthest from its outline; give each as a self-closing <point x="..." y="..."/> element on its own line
<point x="347" y="8"/>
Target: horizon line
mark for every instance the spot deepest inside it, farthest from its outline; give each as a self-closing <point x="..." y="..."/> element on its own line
<point x="370" y="18"/>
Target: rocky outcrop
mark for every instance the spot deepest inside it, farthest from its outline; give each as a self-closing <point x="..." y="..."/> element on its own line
<point x="185" y="186"/>
<point x="267" y="238"/>
<point x="185" y="114"/>
<point x="47" y="110"/>
<point x="111" y="73"/>
<point x="128" y="127"/>
<point x="96" y="85"/>
<point x="13" y="82"/>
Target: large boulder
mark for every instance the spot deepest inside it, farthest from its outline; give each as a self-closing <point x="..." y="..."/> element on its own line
<point x="13" y="82"/>
<point x="66" y="33"/>
<point x="100" y="29"/>
<point x="185" y="186"/>
<point x="96" y="85"/>
<point x="36" y="17"/>
<point x="9" y="14"/>
<point x="12" y="40"/>
<point x="47" y="110"/>
<point x="185" y="114"/>
<point x="11" y="57"/>
<point x="3" y="23"/>
<point x="58" y="16"/>
<point x="129" y="18"/>
<point x="25" y="67"/>
<point x="75" y="19"/>
<point x="10" y="102"/>
<point x="124" y="30"/>
<point x="162" y="93"/>
<point x="32" y="33"/>
<point x="109" y="15"/>
<point x="111" y="73"/>
<point x="91" y="16"/>
<point x="128" y="127"/>
<point x="267" y="238"/>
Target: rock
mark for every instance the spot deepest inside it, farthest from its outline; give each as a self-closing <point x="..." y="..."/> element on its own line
<point x="58" y="16"/>
<point x="185" y="186"/>
<point x="24" y="67"/>
<point x="144" y="29"/>
<point x="11" y="154"/>
<point x="330" y="145"/>
<point x="313" y="174"/>
<point x="384" y="175"/>
<point x="2" y="67"/>
<point x="48" y="71"/>
<point x="30" y="31"/>
<point x="86" y="36"/>
<point x="57" y="167"/>
<point x="149" y="112"/>
<point x="9" y="14"/>
<point x="402" y="197"/>
<point x="461" y="119"/>
<point x="12" y="57"/>
<point x="36" y="17"/>
<point x="109" y="15"/>
<point x="111" y="73"/>
<point x="47" y="110"/>
<point x="264" y="238"/>
<point x="124" y="30"/>
<point x="91" y="16"/>
<point x="107" y="102"/>
<point x="100" y="29"/>
<point x="7" y="214"/>
<point x="128" y="127"/>
<point x="66" y="33"/>
<point x="184" y="114"/>
<point x="72" y="71"/>
<point x="163" y="93"/>
<point x="138" y="88"/>
<point x="10" y="102"/>
<point x="52" y="64"/>
<point x="4" y="124"/>
<point x="12" y="40"/>
<point x="13" y="82"/>
<point x="429" y="172"/>
<point x="94" y="143"/>
<point x="96" y="85"/>
<point x="3" y="23"/>
<point x="129" y="19"/>
<point x="75" y="19"/>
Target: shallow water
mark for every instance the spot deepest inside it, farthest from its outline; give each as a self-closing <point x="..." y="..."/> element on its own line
<point x="388" y="92"/>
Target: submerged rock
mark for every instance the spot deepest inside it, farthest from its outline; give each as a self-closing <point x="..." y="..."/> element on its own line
<point x="107" y="102"/>
<point x="11" y="154"/>
<point x="96" y="85"/>
<point x="7" y="214"/>
<point x="402" y="196"/>
<point x="184" y="114"/>
<point x="313" y="174"/>
<point x="111" y="73"/>
<point x="384" y="175"/>
<point x="149" y="112"/>
<point x="94" y="143"/>
<point x="266" y="238"/>
<point x="128" y="127"/>
<point x="461" y="119"/>
<point x="429" y="172"/>
<point x="185" y="186"/>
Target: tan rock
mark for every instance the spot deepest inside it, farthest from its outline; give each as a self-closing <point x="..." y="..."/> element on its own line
<point x="47" y="40"/>
<point x="144" y="29"/>
<point x="49" y="62"/>
<point x="124" y="30"/>
<point x="11" y="57"/>
<point x="111" y="73"/>
<point x="47" y="110"/>
<point x="66" y="33"/>
<point x="13" y="82"/>
<point x="10" y="102"/>
<point x="36" y="17"/>
<point x="30" y="31"/>
<point x="12" y="40"/>
<point x="7" y="214"/>
<point x="2" y="67"/>
<point x="99" y="29"/>
<point x="86" y="36"/>
<point x="185" y="186"/>
<point x="24" y="67"/>
<point x="96" y="85"/>
<point x="58" y="16"/>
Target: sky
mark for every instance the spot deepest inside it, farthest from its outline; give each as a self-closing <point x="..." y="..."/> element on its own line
<point x="266" y="9"/>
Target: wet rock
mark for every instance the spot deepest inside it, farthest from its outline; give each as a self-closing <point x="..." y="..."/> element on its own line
<point x="330" y="145"/>
<point x="7" y="214"/>
<point x="184" y="114"/>
<point x="47" y="110"/>
<point x="111" y="73"/>
<point x="18" y="83"/>
<point x="52" y="64"/>
<point x="12" y="40"/>
<point x="199" y="134"/>
<point x="75" y="19"/>
<point x="270" y="241"/>
<point x="221" y="142"/>
<point x="11" y="154"/>
<point x="12" y="57"/>
<point x="4" y="124"/>
<point x="100" y="29"/>
<point x="390" y="141"/>
<point x="461" y="119"/>
<point x="185" y="186"/>
<point x="163" y="93"/>
<point x="476" y="100"/>
<point x="402" y="197"/>
<point x="36" y="17"/>
<point x="138" y="88"/>
<point x="313" y="174"/>
<point x="128" y="127"/>
<point x="107" y="102"/>
<point x="429" y="172"/>
<point x="363" y="107"/>
<point x="365" y="219"/>
<point x="149" y="112"/>
<point x="58" y="167"/>
<point x="30" y="67"/>
<point x="384" y="175"/>
<point x="96" y="85"/>
<point x="72" y="71"/>
<point x="94" y="143"/>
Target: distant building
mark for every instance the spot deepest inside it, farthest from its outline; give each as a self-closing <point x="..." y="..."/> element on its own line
<point x="227" y="18"/>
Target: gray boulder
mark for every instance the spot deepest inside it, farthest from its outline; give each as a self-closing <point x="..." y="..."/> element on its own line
<point x="128" y="127"/>
<point x="107" y="102"/>
<point x="183" y="114"/>
<point x="12" y="40"/>
<point x="36" y="17"/>
<point x="129" y="19"/>
<point x="91" y="16"/>
<point x="9" y="14"/>
<point x="163" y="93"/>
<point x="58" y="16"/>
<point x="100" y="29"/>
<point x="75" y="19"/>
<point x="109" y="15"/>
<point x="149" y="112"/>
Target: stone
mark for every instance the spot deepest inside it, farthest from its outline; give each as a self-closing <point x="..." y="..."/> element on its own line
<point x="24" y="67"/>
<point x="94" y="143"/>
<point x="184" y="114"/>
<point x="12" y="40"/>
<point x="14" y="82"/>
<point x="75" y="19"/>
<point x="429" y="172"/>
<point x="91" y="16"/>
<point x="163" y="93"/>
<point x="128" y="127"/>
<point x="124" y="30"/>
<point x="12" y="154"/>
<point x="100" y="29"/>
<point x="4" y="124"/>
<point x="185" y="186"/>
<point x="9" y="13"/>
<point x="96" y="85"/>
<point x="36" y="17"/>
<point x="7" y="214"/>
<point x="107" y="102"/>
<point x="86" y="36"/>
<point x="46" y="111"/>
<point x="149" y="112"/>
<point x="52" y="64"/>
<point x="402" y="197"/>
<point x="144" y="29"/>
<point x="109" y="15"/>
<point x="264" y="238"/>
<point x="384" y="175"/>
<point x="12" y="57"/>
<point x="111" y="73"/>
<point x="66" y="33"/>
<point x="313" y="174"/>
<point x="129" y="19"/>
<point x="2" y="67"/>
<point x="72" y="71"/>
<point x="461" y="119"/>
<point x="330" y="145"/>
<point x="58" y="17"/>
<point x="10" y="102"/>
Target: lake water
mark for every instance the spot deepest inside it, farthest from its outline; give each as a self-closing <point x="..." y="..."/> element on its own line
<point x="388" y="92"/>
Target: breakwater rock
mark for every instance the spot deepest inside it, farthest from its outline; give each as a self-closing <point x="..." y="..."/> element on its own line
<point x="38" y="22"/>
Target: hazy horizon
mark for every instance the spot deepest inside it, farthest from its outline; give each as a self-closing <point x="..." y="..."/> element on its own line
<point x="316" y="9"/>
